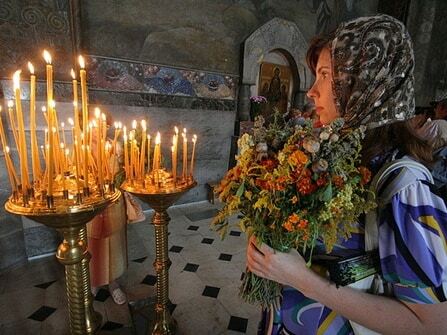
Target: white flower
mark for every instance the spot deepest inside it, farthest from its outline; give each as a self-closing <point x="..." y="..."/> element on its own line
<point x="324" y="135"/>
<point x="311" y="145"/>
<point x="320" y="166"/>
<point x="334" y="138"/>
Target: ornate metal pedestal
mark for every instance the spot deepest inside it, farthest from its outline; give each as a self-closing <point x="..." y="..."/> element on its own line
<point x="70" y="220"/>
<point x="160" y="199"/>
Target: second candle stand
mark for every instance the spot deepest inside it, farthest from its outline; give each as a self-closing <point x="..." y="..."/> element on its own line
<point x="159" y="189"/>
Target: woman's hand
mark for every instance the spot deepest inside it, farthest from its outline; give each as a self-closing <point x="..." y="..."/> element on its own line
<point x="285" y="268"/>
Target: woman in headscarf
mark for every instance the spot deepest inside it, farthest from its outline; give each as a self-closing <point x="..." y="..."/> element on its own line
<point x="364" y="73"/>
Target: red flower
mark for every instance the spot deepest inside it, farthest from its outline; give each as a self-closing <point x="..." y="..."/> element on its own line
<point x="305" y="186"/>
<point x="269" y="164"/>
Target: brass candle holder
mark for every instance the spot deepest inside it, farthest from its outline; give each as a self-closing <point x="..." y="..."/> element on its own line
<point x="70" y="218"/>
<point x="160" y="196"/>
<point x="74" y="186"/>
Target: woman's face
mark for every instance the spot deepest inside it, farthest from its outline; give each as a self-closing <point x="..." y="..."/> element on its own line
<point x="321" y="91"/>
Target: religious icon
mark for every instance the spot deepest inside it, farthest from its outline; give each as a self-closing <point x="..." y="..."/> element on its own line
<point x="274" y="84"/>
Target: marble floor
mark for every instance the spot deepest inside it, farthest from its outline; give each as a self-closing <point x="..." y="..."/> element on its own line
<point x="204" y="280"/>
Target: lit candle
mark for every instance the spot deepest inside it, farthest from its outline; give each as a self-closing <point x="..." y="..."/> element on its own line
<point x="148" y="153"/>
<point x="156" y="164"/>
<point x="44" y="112"/>
<point x="174" y="159"/>
<point x="132" y="154"/>
<point x="83" y="76"/>
<point x="126" y="154"/>
<point x="194" y="140"/>
<point x="175" y="152"/>
<point x="143" y="148"/>
<point x="13" y="179"/>
<point x="98" y="146"/>
<point x="185" y="154"/>
<point x="77" y="165"/>
<point x="77" y="128"/>
<point x="35" y="160"/>
<point x="63" y="133"/>
<point x="6" y="152"/>
<point x="22" y="138"/>
<point x="50" y="160"/>
<point x="13" y="123"/>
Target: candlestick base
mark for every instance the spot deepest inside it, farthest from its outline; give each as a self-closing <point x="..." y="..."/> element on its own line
<point x="160" y="199"/>
<point x="71" y="221"/>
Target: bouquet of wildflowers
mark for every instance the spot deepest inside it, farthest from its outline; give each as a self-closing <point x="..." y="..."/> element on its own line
<point x="294" y="185"/>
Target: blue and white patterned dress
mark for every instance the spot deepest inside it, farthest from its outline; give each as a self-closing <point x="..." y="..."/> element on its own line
<point x="413" y="256"/>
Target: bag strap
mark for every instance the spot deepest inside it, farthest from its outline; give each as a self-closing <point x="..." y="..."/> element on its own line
<point x="371" y="230"/>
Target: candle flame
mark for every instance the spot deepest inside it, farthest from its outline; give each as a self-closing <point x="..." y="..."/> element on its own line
<point x="131" y="135"/>
<point x="125" y="137"/>
<point x="7" y="149"/>
<point x="0" y="109"/>
<point x="125" y="130"/>
<point x="30" y="68"/>
<point x="62" y="124"/>
<point x="143" y="125"/>
<point x="62" y="145"/>
<point x="115" y="124"/>
<point x="53" y="104"/>
<point x="73" y="75"/>
<point x="134" y="124"/>
<point x="47" y="57"/>
<point x="184" y="130"/>
<point x="120" y="125"/>
<point x="70" y="121"/>
<point x="173" y="139"/>
<point x="67" y="152"/>
<point x="176" y="130"/>
<point x="148" y="137"/>
<point x="172" y="148"/>
<point x="194" y="137"/>
<point x="108" y="145"/>
<point x="10" y="104"/>
<point x="81" y="62"/>
<point x="75" y="104"/>
<point x="158" y="138"/>
<point x="103" y="117"/>
<point x="97" y="112"/>
<point x="53" y="129"/>
<point x="16" y="79"/>
<point x="44" y="109"/>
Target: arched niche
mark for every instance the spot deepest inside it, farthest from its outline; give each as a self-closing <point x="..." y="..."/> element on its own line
<point x="277" y="35"/>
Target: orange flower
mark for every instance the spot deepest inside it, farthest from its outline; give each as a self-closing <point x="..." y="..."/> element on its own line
<point x="298" y="158"/>
<point x="288" y="226"/>
<point x="366" y="175"/>
<point x="294" y="218"/>
<point x="303" y="224"/>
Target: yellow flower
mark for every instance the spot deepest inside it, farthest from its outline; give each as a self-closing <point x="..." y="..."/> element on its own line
<point x="294" y="199"/>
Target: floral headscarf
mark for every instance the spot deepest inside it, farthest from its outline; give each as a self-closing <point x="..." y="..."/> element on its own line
<point x="373" y="61"/>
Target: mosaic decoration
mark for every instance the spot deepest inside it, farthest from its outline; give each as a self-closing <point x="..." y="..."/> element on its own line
<point x="25" y="27"/>
<point x="126" y="76"/>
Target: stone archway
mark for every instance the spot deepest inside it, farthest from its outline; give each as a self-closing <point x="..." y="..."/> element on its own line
<point x="277" y="34"/>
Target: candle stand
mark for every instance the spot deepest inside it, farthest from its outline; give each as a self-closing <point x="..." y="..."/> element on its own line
<point x="70" y="219"/>
<point x="160" y="196"/>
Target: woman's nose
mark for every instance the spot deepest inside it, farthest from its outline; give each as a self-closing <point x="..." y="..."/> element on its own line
<point x="313" y="92"/>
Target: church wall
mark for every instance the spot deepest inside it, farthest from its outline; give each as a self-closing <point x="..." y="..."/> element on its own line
<point x="194" y="36"/>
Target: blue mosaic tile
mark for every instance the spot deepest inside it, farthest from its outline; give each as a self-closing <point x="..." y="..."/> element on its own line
<point x="130" y="76"/>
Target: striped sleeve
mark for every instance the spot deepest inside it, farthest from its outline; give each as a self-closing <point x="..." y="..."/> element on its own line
<point x="413" y="245"/>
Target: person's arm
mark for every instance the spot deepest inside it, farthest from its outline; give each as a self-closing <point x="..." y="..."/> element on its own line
<point x="382" y="314"/>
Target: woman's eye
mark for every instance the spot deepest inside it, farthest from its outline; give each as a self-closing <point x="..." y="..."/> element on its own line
<point x="324" y="74"/>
